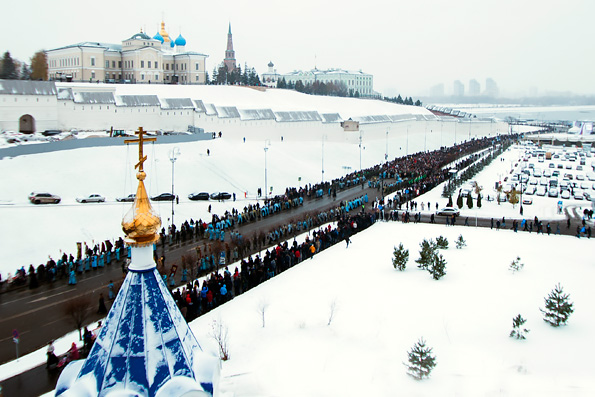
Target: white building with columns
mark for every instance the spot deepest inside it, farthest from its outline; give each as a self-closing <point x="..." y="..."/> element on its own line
<point x="138" y="59"/>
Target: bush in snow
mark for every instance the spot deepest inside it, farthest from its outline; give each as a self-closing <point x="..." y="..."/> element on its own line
<point x="437" y="267"/>
<point x="400" y="257"/>
<point x="460" y="201"/>
<point x="428" y="250"/>
<point x="219" y="332"/>
<point x="420" y="360"/>
<point x="557" y="307"/>
<point x="469" y="201"/>
<point x="461" y="242"/>
<point x="516" y="265"/>
<point x="442" y="243"/>
<point x="517" y="328"/>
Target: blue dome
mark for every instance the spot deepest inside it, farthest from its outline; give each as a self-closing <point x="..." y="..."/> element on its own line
<point x="158" y="37"/>
<point x="180" y="40"/>
<point x="172" y="44"/>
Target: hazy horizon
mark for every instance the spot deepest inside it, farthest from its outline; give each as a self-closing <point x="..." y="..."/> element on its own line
<point x="527" y="48"/>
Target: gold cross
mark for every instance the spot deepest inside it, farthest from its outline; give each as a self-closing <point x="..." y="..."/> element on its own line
<point x="141" y="139"/>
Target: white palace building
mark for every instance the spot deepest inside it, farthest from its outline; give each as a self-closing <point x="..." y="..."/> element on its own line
<point x="139" y="59"/>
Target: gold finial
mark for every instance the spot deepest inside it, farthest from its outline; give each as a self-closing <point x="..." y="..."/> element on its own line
<point x="141" y="223"/>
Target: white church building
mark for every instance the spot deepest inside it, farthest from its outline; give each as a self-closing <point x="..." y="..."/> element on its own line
<point x="138" y="59"/>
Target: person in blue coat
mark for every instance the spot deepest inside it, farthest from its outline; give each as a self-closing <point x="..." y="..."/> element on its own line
<point x="72" y="278"/>
<point x="110" y="293"/>
<point x="223" y="293"/>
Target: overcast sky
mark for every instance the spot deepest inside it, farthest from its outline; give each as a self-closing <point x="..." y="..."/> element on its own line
<point x="408" y="46"/>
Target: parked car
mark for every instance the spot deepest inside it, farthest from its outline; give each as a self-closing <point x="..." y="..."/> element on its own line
<point x="43" y="198"/>
<point x="527" y="201"/>
<point x="530" y="190"/>
<point x="128" y="199"/>
<point x="578" y="195"/>
<point x="220" y="196"/>
<point x="164" y="197"/>
<point x="565" y="194"/>
<point x="553" y="192"/>
<point x="198" y="196"/>
<point x="92" y="198"/>
<point x="448" y="211"/>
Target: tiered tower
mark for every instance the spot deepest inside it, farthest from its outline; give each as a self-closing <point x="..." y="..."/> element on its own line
<point x="145" y="348"/>
<point x="230" y="55"/>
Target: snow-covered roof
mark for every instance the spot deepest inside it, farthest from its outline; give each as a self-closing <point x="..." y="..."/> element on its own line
<point x="26" y="87"/>
<point x="92" y="44"/>
<point x="297" y="116"/>
<point x="401" y="117"/>
<point x="65" y="94"/>
<point x="137" y="100"/>
<point x="373" y="119"/>
<point x="210" y="109"/>
<point x="199" y="106"/>
<point x="256" y="114"/>
<point x="331" y="117"/>
<point x="177" y="103"/>
<point x="84" y="97"/>
<point x="144" y="348"/>
<point x="227" y="112"/>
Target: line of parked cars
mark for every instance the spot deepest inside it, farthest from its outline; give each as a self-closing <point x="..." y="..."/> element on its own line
<point x="48" y="198"/>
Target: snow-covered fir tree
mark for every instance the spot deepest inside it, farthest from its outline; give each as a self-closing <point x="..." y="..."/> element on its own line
<point x="442" y="243"/>
<point x="516" y="265"/>
<point x="557" y="307"/>
<point x="420" y="361"/>
<point x="437" y="267"/>
<point x="460" y="242"/>
<point x="400" y="257"/>
<point x="518" y="330"/>
<point x="428" y="250"/>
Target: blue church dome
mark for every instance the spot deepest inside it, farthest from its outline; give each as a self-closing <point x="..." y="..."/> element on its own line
<point x="158" y="37"/>
<point x="172" y="44"/>
<point x="180" y="41"/>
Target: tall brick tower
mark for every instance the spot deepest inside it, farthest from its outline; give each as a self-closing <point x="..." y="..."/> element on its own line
<point x="230" y="55"/>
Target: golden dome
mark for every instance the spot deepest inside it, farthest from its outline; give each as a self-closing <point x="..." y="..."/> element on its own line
<point x="141" y="224"/>
<point x="163" y="33"/>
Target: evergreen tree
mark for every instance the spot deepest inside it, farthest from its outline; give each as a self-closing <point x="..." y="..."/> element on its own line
<point x="418" y="103"/>
<point x="281" y="83"/>
<point x="460" y="201"/>
<point x="516" y="265"/>
<point x="450" y="201"/>
<point x="428" y="251"/>
<point x="25" y="72"/>
<point x="479" y="200"/>
<point x="299" y="86"/>
<point x="8" y="69"/>
<point x="437" y="266"/>
<point x="461" y="242"/>
<point x="420" y="360"/>
<point x="39" y="66"/>
<point x="442" y="243"/>
<point x="557" y="307"/>
<point x="400" y="257"/>
<point x="517" y="328"/>
<point x="469" y="201"/>
<point x="356" y="95"/>
<point x="399" y="99"/>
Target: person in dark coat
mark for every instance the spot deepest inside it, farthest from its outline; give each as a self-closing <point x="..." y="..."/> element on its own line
<point x="102" y="309"/>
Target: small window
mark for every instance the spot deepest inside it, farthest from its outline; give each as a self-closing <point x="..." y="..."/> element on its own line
<point x="120" y="64"/>
<point x="92" y="61"/>
<point x="196" y="66"/>
<point x="142" y="64"/>
<point x="167" y="66"/>
<point x="156" y="67"/>
<point x="149" y="64"/>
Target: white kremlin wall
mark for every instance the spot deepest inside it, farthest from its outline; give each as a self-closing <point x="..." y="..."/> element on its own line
<point x="231" y="111"/>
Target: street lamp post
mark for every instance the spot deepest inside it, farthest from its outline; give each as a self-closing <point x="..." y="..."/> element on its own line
<point x="266" y="189"/>
<point x="173" y="156"/>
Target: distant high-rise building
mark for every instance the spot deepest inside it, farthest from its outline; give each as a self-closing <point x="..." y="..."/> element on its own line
<point x="474" y="88"/>
<point x="437" y="90"/>
<point x="491" y="88"/>
<point x="230" y="55"/>
<point x="458" y="88"/>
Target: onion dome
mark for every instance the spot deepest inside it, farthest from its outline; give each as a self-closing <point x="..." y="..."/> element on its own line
<point x="140" y="36"/>
<point x="270" y="65"/>
<point x="141" y="224"/>
<point x="172" y="44"/>
<point x="158" y="37"/>
<point x="180" y="41"/>
<point x="163" y="33"/>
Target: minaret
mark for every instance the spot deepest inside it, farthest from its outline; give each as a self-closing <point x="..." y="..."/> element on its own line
<point x="230" y="55"/>
<point x="145" y="348"/>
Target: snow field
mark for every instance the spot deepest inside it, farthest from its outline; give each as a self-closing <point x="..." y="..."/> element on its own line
<point x="381" y="312"/>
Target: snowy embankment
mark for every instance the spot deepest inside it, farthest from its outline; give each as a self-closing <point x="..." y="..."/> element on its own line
<point x="380" y="313"/>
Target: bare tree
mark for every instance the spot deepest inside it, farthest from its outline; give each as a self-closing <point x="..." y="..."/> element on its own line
<point x="332" y="311"/>
<point x="262" y="308"/>
<point x="79" y="310"/>
<point x="219" y="332"/>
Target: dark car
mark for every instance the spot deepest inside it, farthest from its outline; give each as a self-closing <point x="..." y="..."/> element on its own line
<point x="220" y="196"/>
<point x="164" y="197"/>
<point x="198" y="196"/>
<point x="128" y="199"/>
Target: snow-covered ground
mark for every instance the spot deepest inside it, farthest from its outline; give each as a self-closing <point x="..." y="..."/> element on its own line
<point x="380" y="312"/>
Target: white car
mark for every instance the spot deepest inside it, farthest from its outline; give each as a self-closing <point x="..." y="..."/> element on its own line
<point x="530" y="190"/>
<point x="540" y="191"/>
<point x="92" y="198"/>
<point x="565" y="194"/>
<point x="448" y="211"/>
